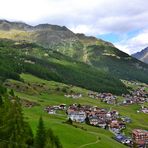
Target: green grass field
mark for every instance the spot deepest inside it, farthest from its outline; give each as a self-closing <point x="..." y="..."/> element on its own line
<point x="70" y="136"/>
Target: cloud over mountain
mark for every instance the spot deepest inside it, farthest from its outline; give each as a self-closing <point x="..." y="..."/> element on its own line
<point x="86" y="16"/>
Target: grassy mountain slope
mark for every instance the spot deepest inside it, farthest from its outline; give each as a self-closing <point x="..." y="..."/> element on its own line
<point x="18" y="57"/>
<point x="46" y="93"/>
<point x="117" y="63"/>
<point x="95" y="52"/>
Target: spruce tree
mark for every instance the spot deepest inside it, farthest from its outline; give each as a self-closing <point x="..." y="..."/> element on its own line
<point x="16" y="125"/>
<point x="40" y="135"/>
<point x="49" y="139"/>
<point x="14" y="131"/>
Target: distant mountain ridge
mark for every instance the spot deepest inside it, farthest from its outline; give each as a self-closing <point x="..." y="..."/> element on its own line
<point x="49" y="36"/>
<point x="142" y="55"/>
<point x="90" y="50"/>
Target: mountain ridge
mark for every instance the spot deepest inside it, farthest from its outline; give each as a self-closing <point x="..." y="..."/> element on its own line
<point x="142" y="55"/>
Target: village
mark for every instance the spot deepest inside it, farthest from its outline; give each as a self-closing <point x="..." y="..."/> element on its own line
<point x="108" y="119"/>
<point x="138" y="96"/>
<point x="102" y="118"/>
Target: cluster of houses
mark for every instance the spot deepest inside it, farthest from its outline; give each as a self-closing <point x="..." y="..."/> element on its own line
<point x="53" y="109"/>
<point x="107" y="119"/>
<point x="105" y="97"/>
<point x="137" y="96"/>
<point x="74" y="96"/>
<point x="96" y="116"/>
<point x="143" y="109"/>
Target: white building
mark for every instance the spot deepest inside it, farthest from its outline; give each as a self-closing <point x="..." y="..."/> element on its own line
<point x="78" y="116"/>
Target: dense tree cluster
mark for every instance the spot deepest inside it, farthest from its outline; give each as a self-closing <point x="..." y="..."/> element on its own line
<point x="15" y="132"/>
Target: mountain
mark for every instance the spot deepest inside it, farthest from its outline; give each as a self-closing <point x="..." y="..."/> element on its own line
<point x="142" y="55"/>
<point x="97" y="53"/>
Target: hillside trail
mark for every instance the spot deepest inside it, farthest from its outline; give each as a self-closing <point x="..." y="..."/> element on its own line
<point x="97" y="140"/>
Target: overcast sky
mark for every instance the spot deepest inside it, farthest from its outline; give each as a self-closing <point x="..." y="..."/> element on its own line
<point x="122" y="22"/>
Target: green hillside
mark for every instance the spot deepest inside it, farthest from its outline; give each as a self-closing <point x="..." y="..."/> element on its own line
<point x="45" y="93"/>
<point x="117" y="63"/>
<point x="18" y="57"/>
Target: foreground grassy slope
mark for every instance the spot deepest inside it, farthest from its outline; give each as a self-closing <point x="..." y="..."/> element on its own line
<point x="73" y="137"/>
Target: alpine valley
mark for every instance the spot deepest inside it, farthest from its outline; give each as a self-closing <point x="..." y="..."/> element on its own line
<point x="86" y="90"/>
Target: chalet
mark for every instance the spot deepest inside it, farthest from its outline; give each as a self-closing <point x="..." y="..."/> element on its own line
<point x="144" y="109"/>
<point x="93" y="95"/>
<point x="114" y="124"/>
<point x="62" y="106"/>
<point x="56" y="107"/>
<point x="101" y="113"/>
<point x="126" y="119"/>
<point x="74" y="96"/>
<point x="122" y="125"/>
<point x="102" y="123"/>
<point x="93" y="120"/>
<point x="77" y="116"/>
<point x="140" y="137"/>
<point x="114" y="114"/>
<point x="50" y="110"/>
<point x="128" y="101"/>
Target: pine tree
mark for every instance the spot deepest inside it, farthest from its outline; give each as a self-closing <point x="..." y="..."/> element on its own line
<point x="40" y="135"/>
<point x="14" y="131"/>
<point x="16" y="125"/>
<point x="28" y="135"/>
<point x="49" y="139"/>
